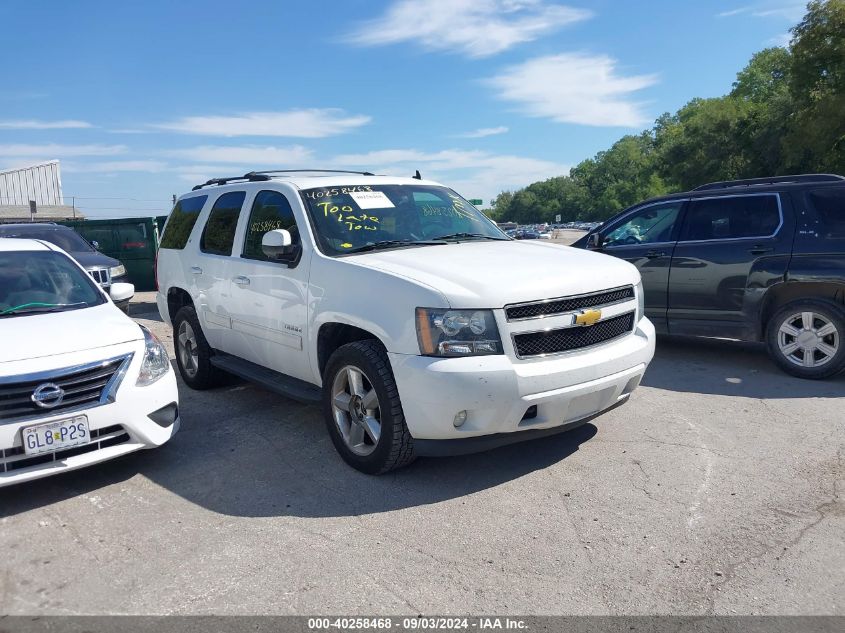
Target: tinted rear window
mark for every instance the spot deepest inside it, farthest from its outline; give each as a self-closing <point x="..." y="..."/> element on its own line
<point x="830" y="206"/>
<point x="181" y="222"/>
<point x="732" y="218"/>
<point x="219" y="233"/>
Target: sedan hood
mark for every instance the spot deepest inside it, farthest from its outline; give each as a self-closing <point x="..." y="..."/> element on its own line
<point x="493" y="274"/>
<point x="38" y="335"/>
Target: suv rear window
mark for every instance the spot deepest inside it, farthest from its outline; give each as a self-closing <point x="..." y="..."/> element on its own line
<point x="181" y="222"/>
<point x="830" y="205"/>
<point x="731" y="218"/>
<point x="218" y="236"/>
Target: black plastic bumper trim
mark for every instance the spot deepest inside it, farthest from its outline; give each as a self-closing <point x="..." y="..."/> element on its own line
<point x="165" y="416"/>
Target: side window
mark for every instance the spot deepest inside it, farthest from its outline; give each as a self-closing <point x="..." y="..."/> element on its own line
<point x="830" y="205"/>
<point x="731" y="218"/>
<point x="181" y="222"/>
<point x="649" y="225"/>
<point x="271" y="210"/>
<point x="218" y="236"/>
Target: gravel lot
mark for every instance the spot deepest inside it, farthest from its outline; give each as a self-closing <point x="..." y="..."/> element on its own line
<point x="717" y="489"/>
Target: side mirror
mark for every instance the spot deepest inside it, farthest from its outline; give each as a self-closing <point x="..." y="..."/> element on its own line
<point x="95" y="244"/>
<point x="594" y="240"/>
<point x="277" y="244"/>
<point x="121" y="291"/>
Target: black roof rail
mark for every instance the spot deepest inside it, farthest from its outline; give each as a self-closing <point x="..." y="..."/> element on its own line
<point x="319" y="171"/>
<point x="250" y="177"/>
<point x="752" y="182"/>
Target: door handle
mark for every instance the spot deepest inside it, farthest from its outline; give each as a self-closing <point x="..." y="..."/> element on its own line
<point x="196" y="270"/>
<point x="654" y="254"/>
<point x="759" y="249"/>
<point x="241" y="280"/>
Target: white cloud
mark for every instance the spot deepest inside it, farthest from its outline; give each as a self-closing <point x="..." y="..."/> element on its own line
<point x="472" y="173"/>
<point x="791" y="10"/>
<point x="484" y="131"/>
<point x="476" y="28"/>
<point x="248" y="156"/>
<point x="55" y="150"/>
<point x="31" y="124"/>
<point x="574" y="88"/>
<point x="309" y="123"/>
<point x="782" y="40"/>
<point x="150" y="166"/>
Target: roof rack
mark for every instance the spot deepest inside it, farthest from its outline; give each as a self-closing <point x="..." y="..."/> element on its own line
<point x="258" y="176"/>
<point x="755" y="182"/>
<point x="250" y="177"/>
<point x="319" y="171"/>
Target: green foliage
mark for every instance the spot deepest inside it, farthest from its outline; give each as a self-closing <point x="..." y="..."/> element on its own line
<point x="785" y="114"/>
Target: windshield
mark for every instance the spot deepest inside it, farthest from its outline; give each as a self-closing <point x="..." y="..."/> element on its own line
<point x="66" y="239"/>
<point x="365" y="217"/>
<point x="43" y="281"/>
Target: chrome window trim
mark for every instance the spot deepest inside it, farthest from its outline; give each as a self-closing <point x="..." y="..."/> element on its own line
<point x="565" y="298"/>
<point x="573" y="326"/>
<point x="735" y="239"/>
<point x="108" y="395"/>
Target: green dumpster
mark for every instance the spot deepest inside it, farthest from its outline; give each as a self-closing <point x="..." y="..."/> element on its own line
<point x="134" y="241"/>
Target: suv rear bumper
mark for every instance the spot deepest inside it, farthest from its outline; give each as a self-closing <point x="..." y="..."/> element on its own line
<point x="499" y="395"/>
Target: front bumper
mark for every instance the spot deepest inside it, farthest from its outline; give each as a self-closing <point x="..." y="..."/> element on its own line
<point x="500" y="394"/>
<point x="130" y="411"/>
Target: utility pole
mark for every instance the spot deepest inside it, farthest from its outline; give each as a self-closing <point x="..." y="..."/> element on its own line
<point x="174" y="199"/>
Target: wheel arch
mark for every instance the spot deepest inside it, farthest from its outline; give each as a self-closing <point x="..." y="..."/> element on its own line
<point x="177" y="298"/>
<point x="333" y="334"/>
<point x="781" y="294"/>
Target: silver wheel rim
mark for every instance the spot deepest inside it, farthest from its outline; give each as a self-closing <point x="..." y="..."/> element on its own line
<point x="186" y="344"/>
<point x="356" y="410"/>
<point x="808" y="339"/>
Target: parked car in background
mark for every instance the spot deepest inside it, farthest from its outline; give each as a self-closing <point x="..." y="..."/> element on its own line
<point x="526" y="235"/>
<point x="80" y="382"/>
<point x="756" y="260"/>
<point x="103" y="269"/>
<point x="418" y="324"/>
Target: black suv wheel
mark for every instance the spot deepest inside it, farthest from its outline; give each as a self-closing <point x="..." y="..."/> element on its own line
<point x="362" y="409"/>
<point x="805" y="338"/>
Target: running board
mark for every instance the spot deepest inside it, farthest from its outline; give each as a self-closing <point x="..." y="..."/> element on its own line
<point x="267" y="378"/>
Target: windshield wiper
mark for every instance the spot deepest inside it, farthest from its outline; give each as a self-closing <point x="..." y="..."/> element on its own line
<point x="39" y="308"/>
<point x="470" y="236"/>
<point x="375" y="246"/>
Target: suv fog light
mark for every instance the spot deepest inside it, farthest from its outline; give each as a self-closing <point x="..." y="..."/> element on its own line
<point x="460" y="418"/>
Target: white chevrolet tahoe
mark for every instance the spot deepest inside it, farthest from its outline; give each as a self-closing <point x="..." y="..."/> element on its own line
<point x="80" y="382"/>
<point x="422" y="328"/>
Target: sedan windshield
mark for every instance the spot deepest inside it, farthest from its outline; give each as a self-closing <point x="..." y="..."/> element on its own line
<point x="33" y="282"/>
<point x="360" y="218"/>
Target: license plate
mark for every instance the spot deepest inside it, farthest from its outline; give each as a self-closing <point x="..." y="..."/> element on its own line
<point x="54" y="436"/>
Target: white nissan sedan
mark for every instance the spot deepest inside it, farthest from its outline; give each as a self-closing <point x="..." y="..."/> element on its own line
<point x="80" y="382"/>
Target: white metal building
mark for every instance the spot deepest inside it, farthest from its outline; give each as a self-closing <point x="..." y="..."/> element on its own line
<point x="40" y="183"/>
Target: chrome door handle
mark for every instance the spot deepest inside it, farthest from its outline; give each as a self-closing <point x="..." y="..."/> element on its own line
<point x="241" y="280"/>
<point x="653" y="254"/>
<point x="196" y="270"/>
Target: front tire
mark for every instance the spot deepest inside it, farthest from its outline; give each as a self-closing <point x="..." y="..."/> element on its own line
<point x="193" y="354"/>
<point x="362" y="409"/>
<point x="806" y="338"/>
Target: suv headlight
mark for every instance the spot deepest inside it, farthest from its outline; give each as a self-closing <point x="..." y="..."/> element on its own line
<point x="640" y="301"/>
<point x="156" y="363"/>
<point x="117" y="271"/>
<point x="443" y="332"/>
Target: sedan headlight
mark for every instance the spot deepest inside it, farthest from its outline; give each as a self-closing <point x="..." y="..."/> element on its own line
<point x="640" y="301"/>
<point x="117" y="271"/>
<point x="443" y="332"/>
<point x="156" y="363"/>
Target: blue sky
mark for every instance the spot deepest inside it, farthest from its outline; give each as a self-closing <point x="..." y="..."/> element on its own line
<point x="142" y="100"/>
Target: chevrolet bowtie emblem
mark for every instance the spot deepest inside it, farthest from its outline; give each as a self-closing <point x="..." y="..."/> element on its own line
<point x="587" y="317"/>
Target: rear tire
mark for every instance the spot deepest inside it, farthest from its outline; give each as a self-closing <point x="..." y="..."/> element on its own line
<point x="193" y="354"/>
<point x="806" y="338"/>
<point x="362" y="409"/>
